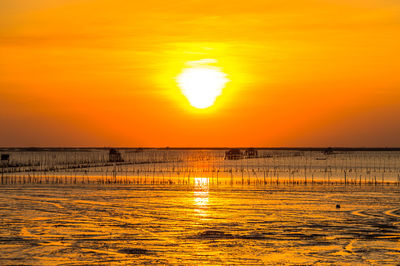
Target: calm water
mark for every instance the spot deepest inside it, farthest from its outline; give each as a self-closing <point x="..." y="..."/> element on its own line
<point x="199" y="223"/>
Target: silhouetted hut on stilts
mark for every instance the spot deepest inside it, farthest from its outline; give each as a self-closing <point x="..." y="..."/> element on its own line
<point x="5" y="158"/>
<point x="233" y="154"/>
<point x="114" y="156"/>
<point x="250" y="153"/>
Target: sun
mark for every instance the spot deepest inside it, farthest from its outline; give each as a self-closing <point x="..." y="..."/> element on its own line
<point x="202" y="83"/>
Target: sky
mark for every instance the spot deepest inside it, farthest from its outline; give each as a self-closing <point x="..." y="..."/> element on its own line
<point x="104" y="73"/>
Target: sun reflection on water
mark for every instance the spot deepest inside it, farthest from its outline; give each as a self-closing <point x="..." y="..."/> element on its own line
<point x="200" y="195"/>
<point x="201" y="183"/>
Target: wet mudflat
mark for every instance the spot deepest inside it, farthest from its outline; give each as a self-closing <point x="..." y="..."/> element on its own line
<point x="199" y="223"/>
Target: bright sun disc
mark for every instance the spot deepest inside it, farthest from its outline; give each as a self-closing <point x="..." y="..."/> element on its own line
<point x="202" y="84"/>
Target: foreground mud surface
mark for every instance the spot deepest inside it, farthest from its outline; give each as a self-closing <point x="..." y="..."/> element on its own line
<point x="199" y="223"/>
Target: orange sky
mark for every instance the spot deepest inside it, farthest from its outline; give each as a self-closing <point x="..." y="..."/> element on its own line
<point x="103" y="73"/>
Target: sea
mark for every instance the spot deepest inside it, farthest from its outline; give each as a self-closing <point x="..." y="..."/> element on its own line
<point x="199" y="206"/>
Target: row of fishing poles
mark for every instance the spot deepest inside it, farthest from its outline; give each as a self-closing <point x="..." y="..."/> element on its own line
<point x="279" y="166"/>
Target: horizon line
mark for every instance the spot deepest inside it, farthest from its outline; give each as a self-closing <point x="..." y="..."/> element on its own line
<point x="299" y="148"/>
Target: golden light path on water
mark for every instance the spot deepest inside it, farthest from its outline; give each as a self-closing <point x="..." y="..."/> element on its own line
<point x="200" y="196"/>
<point x="202" y="82"/>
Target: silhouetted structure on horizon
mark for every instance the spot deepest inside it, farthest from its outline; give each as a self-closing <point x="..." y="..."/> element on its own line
<point x="114" y="156"/>
<point x="328" y="151"/>
<point x="233" y="154"/>
<point x="251" y="153"/>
